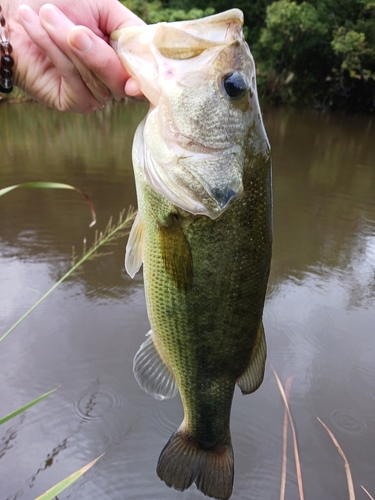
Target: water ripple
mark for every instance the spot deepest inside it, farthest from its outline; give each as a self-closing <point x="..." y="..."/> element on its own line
<point x="371" y="394"/>
<point x="348" y="423"/>
<point x="167" y="416"/>
<point x="95" y="404"/>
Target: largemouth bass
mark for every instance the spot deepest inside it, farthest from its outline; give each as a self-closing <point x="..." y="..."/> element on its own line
<point x="203" y="233"/>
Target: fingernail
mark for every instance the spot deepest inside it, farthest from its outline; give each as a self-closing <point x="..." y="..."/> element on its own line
<point x="28" y="14"/>
<point x="80" y="40"/>
<point x="51" y="15"/>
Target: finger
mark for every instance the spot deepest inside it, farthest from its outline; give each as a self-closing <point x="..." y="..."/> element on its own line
<point x="58" y="26"/>
<point x="54" y="81"/>
<point x="99" y="58"/>
<point x="132" y="88"/>
<point x="114" y="15"/>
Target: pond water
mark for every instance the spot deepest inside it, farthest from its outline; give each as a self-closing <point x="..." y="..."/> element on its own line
<point x="319" y="315"/>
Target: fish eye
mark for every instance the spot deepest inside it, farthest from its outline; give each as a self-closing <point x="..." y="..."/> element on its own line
<point x="234" y="85"/>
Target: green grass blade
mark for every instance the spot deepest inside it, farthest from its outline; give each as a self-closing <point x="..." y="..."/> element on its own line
<point x="52" y="185"/>
<point x="62" y="485"/>
<point x="26" y="407"/>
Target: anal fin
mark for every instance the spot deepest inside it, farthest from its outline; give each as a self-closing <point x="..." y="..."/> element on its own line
<point x="151" y="373"/>
<point x="251" y="379"/>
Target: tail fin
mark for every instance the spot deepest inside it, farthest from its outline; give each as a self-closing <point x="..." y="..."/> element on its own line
<point x="183" y="462"/>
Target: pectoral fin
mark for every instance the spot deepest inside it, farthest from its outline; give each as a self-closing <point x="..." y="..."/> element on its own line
<point x="151" y="373"/>
<point x="176" y="253"/>
<point x="251" y="379"/>
<point x="134" y="248"/>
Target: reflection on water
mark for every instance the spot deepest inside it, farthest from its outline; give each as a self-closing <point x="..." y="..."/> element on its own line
<point x="319" y="315"/>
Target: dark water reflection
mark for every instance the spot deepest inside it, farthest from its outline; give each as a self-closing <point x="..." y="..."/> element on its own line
<point x="319" y="317"/>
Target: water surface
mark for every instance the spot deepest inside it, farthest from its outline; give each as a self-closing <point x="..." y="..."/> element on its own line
<point x="319" y="314"/>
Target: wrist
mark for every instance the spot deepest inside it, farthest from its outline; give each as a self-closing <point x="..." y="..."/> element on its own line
<point x="6" y="59"/>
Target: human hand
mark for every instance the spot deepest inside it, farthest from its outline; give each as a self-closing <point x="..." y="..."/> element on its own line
<point x="62" y="53"/>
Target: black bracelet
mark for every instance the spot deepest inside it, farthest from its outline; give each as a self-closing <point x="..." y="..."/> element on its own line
<point x="6" y="61"/>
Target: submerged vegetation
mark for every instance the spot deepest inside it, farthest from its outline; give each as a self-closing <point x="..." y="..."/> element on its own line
<point x="315" y="53"/>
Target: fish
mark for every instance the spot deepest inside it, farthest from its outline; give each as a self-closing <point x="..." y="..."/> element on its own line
<point x="203" y="232"/>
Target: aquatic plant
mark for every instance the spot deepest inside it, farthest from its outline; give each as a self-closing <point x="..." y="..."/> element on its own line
<point x="25" y="407"/>
<point x="62" y="485"/>
<point x="52" y="185"/>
